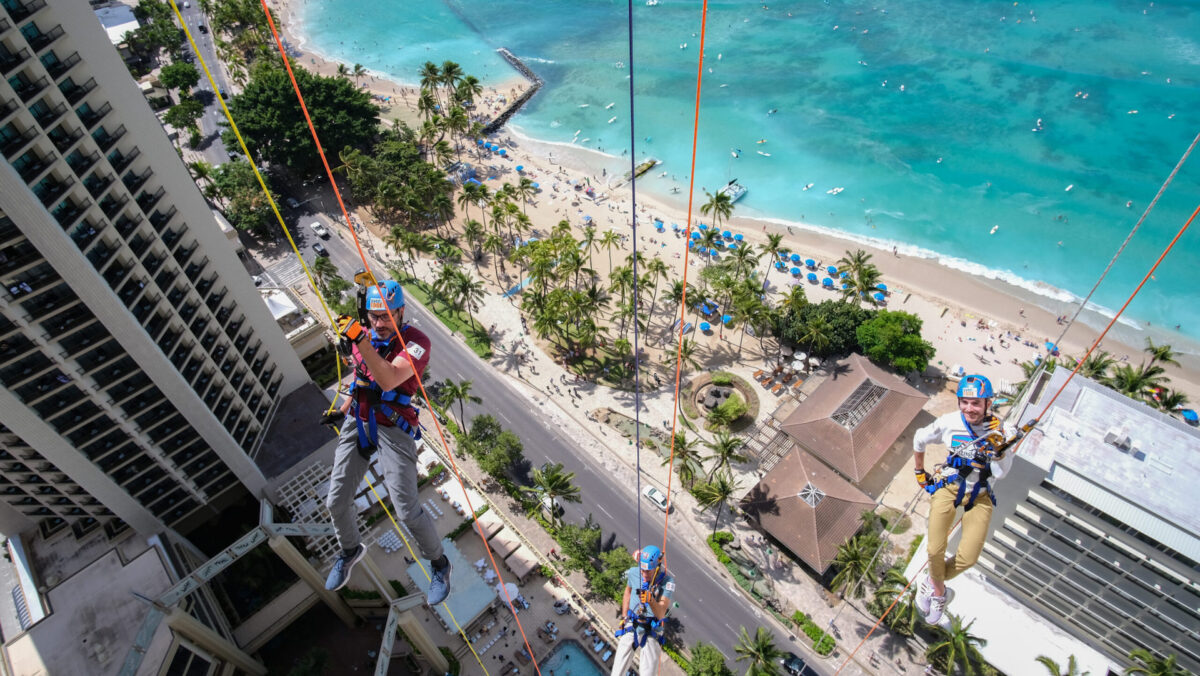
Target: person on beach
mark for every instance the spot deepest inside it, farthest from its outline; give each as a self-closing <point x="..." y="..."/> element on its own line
<point x="378" y="417"/>
<point x="969" y="435"/>
<point x="642" y="626"/>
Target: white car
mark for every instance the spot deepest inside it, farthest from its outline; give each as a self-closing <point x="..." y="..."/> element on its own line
<point x="657" y="497"/>
<point x="319" y="229"/>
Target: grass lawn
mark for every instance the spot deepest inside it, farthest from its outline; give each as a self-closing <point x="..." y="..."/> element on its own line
<point x="477" y="337"/>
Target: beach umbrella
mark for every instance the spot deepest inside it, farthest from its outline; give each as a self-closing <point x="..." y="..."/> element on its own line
<point x="714" y="253"/>
<point x="508" y="587"/>
<point x="535" y="186"/>
<point x="831" y="270"/>
<point x="1051" y="346"/>
<point x="795" y="271"/>
<point x="779" y="265"/>
<point x="845" y="285"/>
<point x="725" y="319"/>
<point x="502" y="152"/>
<point x="703" y="250"/>
<point x="798" y="363"/>
<point x="1189" y="415"/>
<point x="845" y="275"/>
<point x="813" y="361"/>
<point x="812" y="277"/>
<point x="879" y="297"/>
<point x="795" y="258"/>
<point x="704" y="326"/>
<point x="695" y="235"/>
<point x="827" y="282"/>
<point x="587" y="219"/>
<point x="675" y="227"/>
<point x="732" y="246"/>
<point x="783" y="256"/>
<point x="478" y="141"/>
<point x="520" y="167"/>
<point x="881" y="287"/>
<point x="810" y="263"/>
<point x="703" y="226"/>
<point x="727" y="234"/>
<point x="737" y="237"/>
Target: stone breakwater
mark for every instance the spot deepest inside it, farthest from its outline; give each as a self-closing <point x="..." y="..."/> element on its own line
<point x="535" y="82"/>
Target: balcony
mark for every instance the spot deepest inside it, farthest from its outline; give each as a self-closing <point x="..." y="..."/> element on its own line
<point x="14" y="141"/>
<point x="138" y="245"/>
<point x="170" y="237"/>
<point x="120" y="160"/>
<point x="110" y="205"/>
<point x="57" y="68"/>
<point x="62" y="138"/>
<point x="203" y="285"/>
<point x="100" y="254"/>
<point x="44" y="114"/>
<point x="4" y="25"/>
<point x="159" y="219"/>
<point x="26" y="88"/>
<point x="147" y="200"/>
<point x="31" y="165"/>
<point x="10" y="61"/>
<point x="134" y="181"/>
<point x="7" y="108"/>
<point x="187" y="311"/>
<point x="39" y="40"/>
<point x="74" y="92"/>
<point x="106" y="140"/>
<point x="83" y="235"/>
<point x="96" y="185"/>
<point x="80" y="163"/>
<point x="116" y="273"/>
<point x="144" y="310"/>
<point x="51" y="188"/>
<point x="70" y="211"/>
<point x="126" y="225"/>
<point x="214" y="300"/>
<point x="194" y="268"/>
<point x="166" y="278"/>
<point x="19" y="11"/>
<point x="153" y="262"/>
<point x="91" y="117"/>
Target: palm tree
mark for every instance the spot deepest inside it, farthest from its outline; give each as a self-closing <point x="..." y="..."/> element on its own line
<point x="468" y="293"/>
<point x="853" y="562"/>
<point x="461" y="393"/>
<point x="1150" y="665"/>
<point x="1055" y="670"/>
<point x="451" y="74"/>
<point x="474" y="234"/>
<point x="431" y="76"/>
<point x="717" y="492"/>
<point x="324" y="270"/>
<point x="760" y="652"/>
<point x="495" y="246"/>
<point x="609" y="241"/>
<point x="589" y="241"/>
<point x="468" y="88"/>
<point x="687" y="459"/>
<point x="774" y="242"/>
<point x="1097" y="365"/>
<point x="657" y="271"/>
<point x="343" y="71"/>
<point x="551" y="484"/>
<point x="1170" y="401"/>
<point x="357" y="72"/>
<point x="1163" y="354"/>
<point x="957" y="644"/>
<point x="724" y="452"/>
<point x="794" y="301"/>
<point x="816" y="334"/>
<point x="1136" y="383"/>
<point x="708" y="240"/>
<point x="902" y="618"/>
<point x="524" y="191"/>
<point x="719" y="207"/>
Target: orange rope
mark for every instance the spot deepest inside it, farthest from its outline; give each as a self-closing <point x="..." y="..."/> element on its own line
<point x="416" y="374"/>
<point x="1050" y="403"/>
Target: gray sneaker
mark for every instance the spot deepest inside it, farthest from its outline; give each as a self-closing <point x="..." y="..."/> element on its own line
<point x="439" y="583"/>
<point x="937" y="607"/>
<point x="339" y="575"/>
<point x="924" y="593"/>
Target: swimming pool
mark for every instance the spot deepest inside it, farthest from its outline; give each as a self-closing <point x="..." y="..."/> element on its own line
<point x="569" y="658"/>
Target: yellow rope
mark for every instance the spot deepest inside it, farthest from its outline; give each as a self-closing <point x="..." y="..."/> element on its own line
<point x="262" y="184"/>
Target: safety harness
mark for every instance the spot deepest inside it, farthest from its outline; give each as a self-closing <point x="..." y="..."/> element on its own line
<point x="958" y="468"/>
<point x="387" y="404"/>
<point x="649" y="626"/>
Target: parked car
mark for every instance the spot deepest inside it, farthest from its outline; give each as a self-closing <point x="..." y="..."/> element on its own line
<point x="319" y="229"/>
<point x="292" y="203"/>
<point x="657" y="497"/>
<point x="551" y="508"/>
<point x="795" y="666"/>
<point x="320" y="249"/>
<point x="202" y="28"/>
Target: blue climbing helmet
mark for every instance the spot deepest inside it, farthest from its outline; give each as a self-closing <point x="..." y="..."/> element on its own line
<point x="975" y="387"/>
<point x="651" y="558"/>
<point x="392" y="298"/>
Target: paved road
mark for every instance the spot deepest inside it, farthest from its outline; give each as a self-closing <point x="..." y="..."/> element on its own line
<point x="711" y="608"/>
<point x="215" y="152"/>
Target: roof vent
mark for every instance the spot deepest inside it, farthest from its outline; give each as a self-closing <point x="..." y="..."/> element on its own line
<point x="1117" y="436"/>
<point x="811" y="495"/>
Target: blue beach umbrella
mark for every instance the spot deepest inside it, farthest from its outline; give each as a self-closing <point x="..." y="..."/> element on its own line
<point x="845" y="286"/>
<point x="703" y="250"/>
<point x="783" y="256"/>
<point x="881" y="287"/>
<point x="831" y="270"/>
<point x="535" y="186"/>
<point x="812" y="277"/>
<point x="795" y="258"/>
<point x="779" y="265"/>
<point x="502" y="152"/>
<point x="703" y="226"/>
<point x="714" y="253"/>
<point x="704" y="326"/>
<point x="695" y="235"/>
<point x="520" y="167"/>
<point x="587" y="219"/>
<point x="725" y="319"/>
<point x="727" y="234"/>
<point x="827" y="282"/>
<point x="737" y="237"/>
<point x="795" y="272"/>
<point x="879" y="297"/>
<point x="478" y="141"/>
<point x="810" y="263"/>
<point x="845" y="275"/>
<point x="732" y="247"/>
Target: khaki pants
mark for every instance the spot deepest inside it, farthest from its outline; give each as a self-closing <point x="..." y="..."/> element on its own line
<point x="647" y="665"/>
<point x="941" y="522"/>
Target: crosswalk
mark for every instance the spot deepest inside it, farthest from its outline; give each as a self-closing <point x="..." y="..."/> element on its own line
<point x="288" y="272"/>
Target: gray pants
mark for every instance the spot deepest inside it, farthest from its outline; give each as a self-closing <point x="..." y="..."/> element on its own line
<point x="397" y="455"/>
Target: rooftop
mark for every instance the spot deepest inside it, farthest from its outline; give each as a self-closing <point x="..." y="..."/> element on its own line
<point x="807" y="507"/>
<point x="117" y="20"/>
<point x="1121" y="456"/>
<point x="854" y="416"/>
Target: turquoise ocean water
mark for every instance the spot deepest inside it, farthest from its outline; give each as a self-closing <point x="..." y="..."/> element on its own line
<point x="933" y="167"/>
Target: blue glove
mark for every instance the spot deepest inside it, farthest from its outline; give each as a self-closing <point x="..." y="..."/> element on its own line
<point x="645" y="586"/>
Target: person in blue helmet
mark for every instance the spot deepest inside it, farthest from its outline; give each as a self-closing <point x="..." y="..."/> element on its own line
<point x="648" y="592"/>
<point x="971" y="436"/>
<point x="378" y="417"/>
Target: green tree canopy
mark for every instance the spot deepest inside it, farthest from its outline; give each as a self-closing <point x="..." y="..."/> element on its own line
<point x="579" y="544"/>
<point x="245" y="205"/>
<point x="840" y="321"/>
<point x="707" y="660"/>
<point x="607" y="580"/>
<point x="157" y="30"/>
<point x="894" y="338"/>
<point x="179" y="75"/>
<point x="184" y="114"/>
<point x="273" y="125"/>
<point x="396" y="181"/>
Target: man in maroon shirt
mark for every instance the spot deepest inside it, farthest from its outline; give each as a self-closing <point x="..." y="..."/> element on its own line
<point x="379" y="417"/>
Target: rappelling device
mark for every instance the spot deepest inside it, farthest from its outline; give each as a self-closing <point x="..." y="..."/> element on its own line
<point x="650" y="590"/>
<point x="974" y="456"/>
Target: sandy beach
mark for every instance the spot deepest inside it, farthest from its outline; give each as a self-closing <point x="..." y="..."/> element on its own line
<point x="984" y="325"/>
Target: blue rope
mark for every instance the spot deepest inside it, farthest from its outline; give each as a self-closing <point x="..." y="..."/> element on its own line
<point x="637" y="364"/>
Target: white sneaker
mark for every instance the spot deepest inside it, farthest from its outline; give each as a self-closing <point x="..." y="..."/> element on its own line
<point x="937" y="607"/>
<point x="924" y="593"/>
